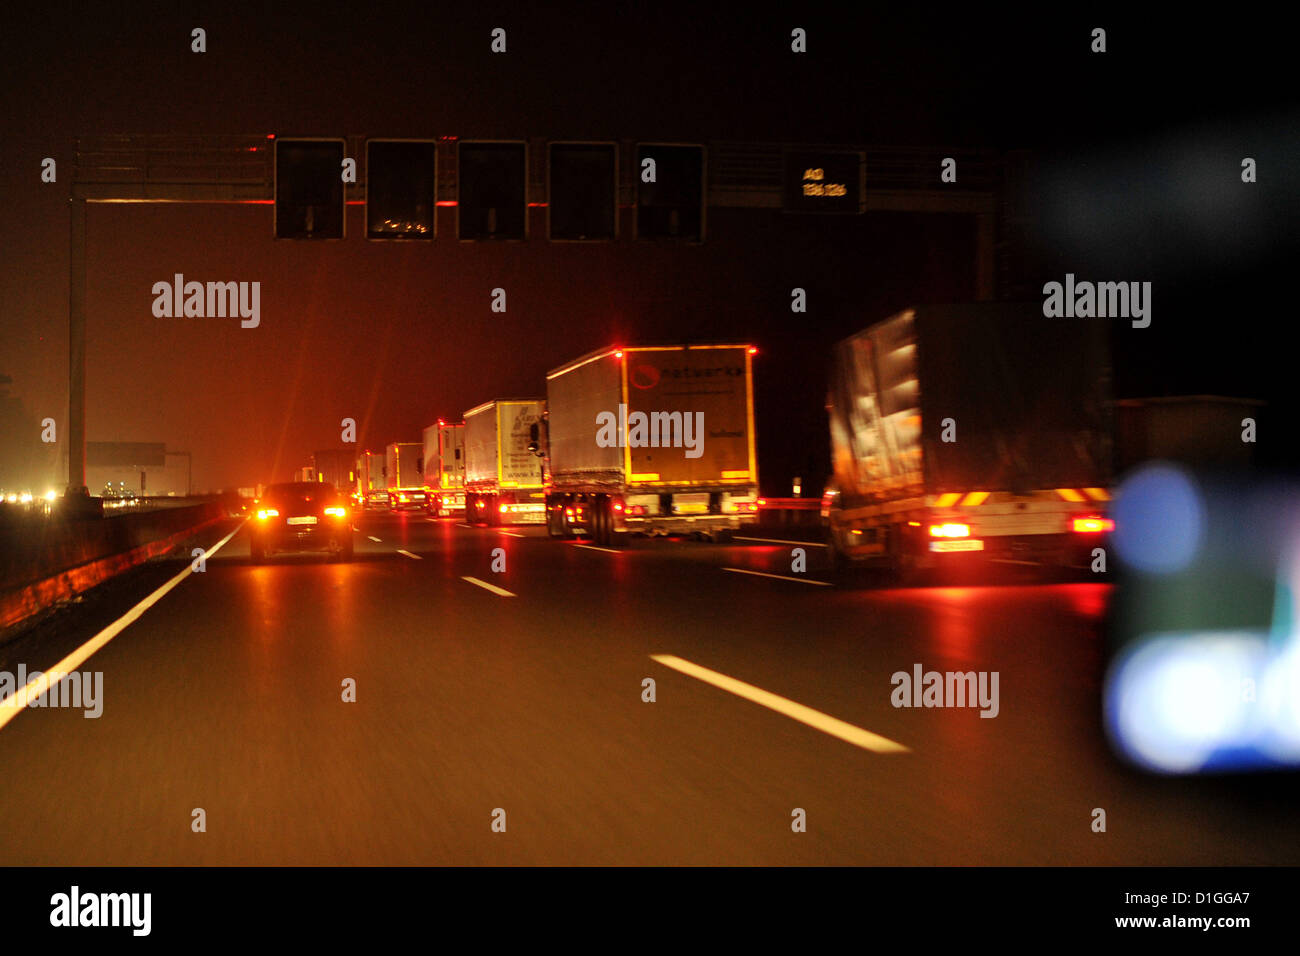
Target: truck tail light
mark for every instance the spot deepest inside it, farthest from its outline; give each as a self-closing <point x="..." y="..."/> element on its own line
<point x="264" y="513"/>
<point x="950" y="529"/>
<point x="636" y="509"/>
<point x="1093" y="524"/>
<point x="337" y="512"/>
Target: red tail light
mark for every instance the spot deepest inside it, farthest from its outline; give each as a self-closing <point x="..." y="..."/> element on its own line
<point x="950" y="529"/>
<point x="1093" y="524"/>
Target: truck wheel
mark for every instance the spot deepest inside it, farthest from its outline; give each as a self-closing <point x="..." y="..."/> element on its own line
<point x="492" y="511"/>
<point x="599" y="520"/>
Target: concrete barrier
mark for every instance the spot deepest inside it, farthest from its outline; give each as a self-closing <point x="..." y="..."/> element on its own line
<point x="44" y="560"/>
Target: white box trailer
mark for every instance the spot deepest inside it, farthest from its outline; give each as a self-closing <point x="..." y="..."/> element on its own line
<point x="372" y="489"/>
<point x="404" y="475"/>
<point x="658" y="439"/>
<point x="505" y="478"/>
<point x="444" y="467"/>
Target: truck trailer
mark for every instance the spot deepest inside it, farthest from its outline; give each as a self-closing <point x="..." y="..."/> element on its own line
<point x="336" y="468"/>
<point x="372" y="489"/>
<point x="969" y="433"/>
<point x="505" y="471"/>
<point x="404" y="475"/>
<point x="444" y="468"/>
<point x="655" y="439"/>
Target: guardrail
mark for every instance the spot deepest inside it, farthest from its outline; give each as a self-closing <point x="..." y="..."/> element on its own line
<point x="44" y="560"/>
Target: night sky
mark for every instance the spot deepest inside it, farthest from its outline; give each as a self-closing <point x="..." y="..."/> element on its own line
<point x="1137" y="150"/>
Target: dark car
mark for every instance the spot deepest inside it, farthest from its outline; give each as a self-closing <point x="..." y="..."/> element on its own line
<point x="301" y="517"/>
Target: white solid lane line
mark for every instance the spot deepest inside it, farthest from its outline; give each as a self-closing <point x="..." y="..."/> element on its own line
<point x="373" y="538"/>
<point x="491" y="587"/>
<point x="513" y="534"/>
<point x="779" y="577"/>
<point x="797" y="544"/>
<point x="592" y="547"/>
<point x="10" y="706"/>
<point x="409" y="555"/>
<point x="783" y="705"/>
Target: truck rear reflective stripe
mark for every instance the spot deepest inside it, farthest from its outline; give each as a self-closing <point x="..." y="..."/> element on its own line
<point x="1097" y="494"/>
<point x="948" y="499"/>
<point x="1070" y="494"/>
<point x="975" y="498"/>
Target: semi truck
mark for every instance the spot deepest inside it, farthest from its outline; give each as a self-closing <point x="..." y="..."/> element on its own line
<point x="654" y="439"/>
<point x="404" y="475"/>
<point x="372" y="489"/>
<point x="444" y="468"/>
<point x="335" y="467"/>
<point x="505" y="474"/>
<point x="969" y="433"/>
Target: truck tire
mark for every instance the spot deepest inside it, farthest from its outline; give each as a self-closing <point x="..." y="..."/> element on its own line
<point x="606" y="521"/>
<point x="555" y="517"/>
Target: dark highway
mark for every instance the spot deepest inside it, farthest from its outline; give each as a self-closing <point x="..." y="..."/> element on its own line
<point x="480" y="691"/>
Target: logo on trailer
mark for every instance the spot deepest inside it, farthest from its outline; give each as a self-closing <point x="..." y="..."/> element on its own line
<point x="644" y="376"/>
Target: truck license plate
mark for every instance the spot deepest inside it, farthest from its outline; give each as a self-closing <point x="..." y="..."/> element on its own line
<point x="969" y="545"/>
<point x="306" y="519"/>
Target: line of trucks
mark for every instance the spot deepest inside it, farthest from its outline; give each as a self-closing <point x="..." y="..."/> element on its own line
<point x="957" y="432"/>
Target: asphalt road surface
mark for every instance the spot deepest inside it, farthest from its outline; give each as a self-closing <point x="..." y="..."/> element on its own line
<point x="526" y="697"/>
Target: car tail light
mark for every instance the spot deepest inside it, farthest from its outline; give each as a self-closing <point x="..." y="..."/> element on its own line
<point x="337" y="512"/>
<point x="264" y="513"/>
<point x="618" y="506"/>
<point x="950" y="529"/>
<point x="1092" y="524"/>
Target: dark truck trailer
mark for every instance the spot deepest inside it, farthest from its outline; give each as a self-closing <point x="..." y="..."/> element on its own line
<point x="1022" y="400"/>
<point x="335" y="468"/>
